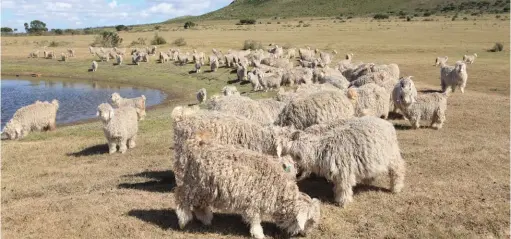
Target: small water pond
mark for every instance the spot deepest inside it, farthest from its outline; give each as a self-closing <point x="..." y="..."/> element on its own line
<point x="78" y="100"/>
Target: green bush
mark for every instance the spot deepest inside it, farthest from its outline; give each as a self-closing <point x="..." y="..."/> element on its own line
<point x="380" y="16"/>
<point x="158" y="40"/>
<point x="88" y="31"/>
<point x="58" y="31"/>
<point x="180" y="42"/>
<point x="252" y="45"/>
<point x="107" y="39"/>
<point x="58" y="43"/>
<point x="190" y="24"/>
<point x="247" y="22"/>
<point x="121" y="28"/>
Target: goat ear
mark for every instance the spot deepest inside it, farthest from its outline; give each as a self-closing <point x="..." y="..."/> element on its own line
<point x="97" y="113"/>
<point x="301" y="219"/>
<point x="111" y="113"/>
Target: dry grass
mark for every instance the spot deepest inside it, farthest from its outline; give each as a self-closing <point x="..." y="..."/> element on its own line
<point x="62" y="184"/>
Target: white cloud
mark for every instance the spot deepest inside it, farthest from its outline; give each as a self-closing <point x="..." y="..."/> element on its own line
<point x="93" y="13"/>
<point x="113" y="4"/>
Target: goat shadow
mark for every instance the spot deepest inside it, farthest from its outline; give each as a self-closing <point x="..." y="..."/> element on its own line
<point x="230" y="82"/>
<point x="408" y="127"/>
<point x="319" y="187"/>
<point x="160" y="181"/>
<point x="394" y="116"/>
<point x="223" y="223"/>
<point x="89" y="151"/>
<point x="89" y="70"/>
<point x="429" y="91"/>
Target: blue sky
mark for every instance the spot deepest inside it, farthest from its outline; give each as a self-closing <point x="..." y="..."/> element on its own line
<point x="92" y="13"/>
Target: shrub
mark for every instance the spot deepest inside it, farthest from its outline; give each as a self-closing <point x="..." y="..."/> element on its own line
<point x="247" y="22"/>
<point x="59" y="31"/>
<point x="465" y="18"/>
<point x="350" y="17"/>
<point x="107" y="39"/>
<point x="306" y="25"/>
<point x="58" y="43"/>
<point x="428" y="19"/>
<point x="498" y="16"/>
<point x="190" y="24"/>
<point x="252" y="45"/>
<point x="88" y="31"/>
<point x="300" y="21"/>
<point x="408" y="18"/>
<point x="278" y="22"/>
<point x="157" y="27"/>
<point x="121" y="28"/>
<point x="158" y="40"/>
<point x="497" y="47"/>
<point x="71" y="31"/>
<point x="416" y="15"/>
<point x="180" y="42"/>
<point x="381" y="16"/>
<point x="427" y="14"/>
<point x="268" y="23"/>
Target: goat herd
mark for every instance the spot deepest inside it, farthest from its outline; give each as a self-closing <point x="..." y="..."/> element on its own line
<point x="243" y="155"/>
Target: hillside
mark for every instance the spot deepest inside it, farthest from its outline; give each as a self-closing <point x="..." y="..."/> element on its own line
<point x="328" y="8"/>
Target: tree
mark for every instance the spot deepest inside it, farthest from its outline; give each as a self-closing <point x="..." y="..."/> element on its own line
<point x="38" y="26"/>
<point x="59" y="31"/>
<point x="6" y="30"/>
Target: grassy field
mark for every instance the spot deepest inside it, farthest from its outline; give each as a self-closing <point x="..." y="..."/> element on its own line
<point x="63" y="184"/>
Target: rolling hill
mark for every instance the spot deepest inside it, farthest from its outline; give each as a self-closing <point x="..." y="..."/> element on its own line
<point x="240" y="9"/>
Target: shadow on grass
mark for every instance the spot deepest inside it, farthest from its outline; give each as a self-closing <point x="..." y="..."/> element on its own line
<point x="161" y="181"/>
<point x="429" y="91"/>
<point x="318" y="187"/>
<point x="395" y="116"/>
<point x="224" y="224"/>
<point x="408" y="127"/>
<point x="94" y="150"/>
<point x="230" y="82"/>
